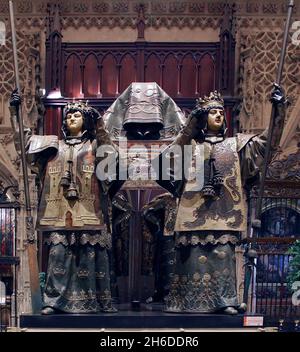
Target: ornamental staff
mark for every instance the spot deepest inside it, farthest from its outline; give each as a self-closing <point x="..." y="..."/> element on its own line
<point x="272" y="119"/>
<point x="36" y="298"/>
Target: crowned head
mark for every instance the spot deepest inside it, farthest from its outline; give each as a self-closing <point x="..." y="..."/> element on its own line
<point x="214" y="100"/>
<point x="212" y="107"/>
<point x="78" y="118"/>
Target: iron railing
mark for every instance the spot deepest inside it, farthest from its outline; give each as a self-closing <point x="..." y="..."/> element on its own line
<point x="270" y="294"/>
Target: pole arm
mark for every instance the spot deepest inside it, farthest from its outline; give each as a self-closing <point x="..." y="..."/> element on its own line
<point x="273" y="112"/>
<point x="285" y="40"/>
<point x="19" y="113"/>
<point x="36" y="297"/>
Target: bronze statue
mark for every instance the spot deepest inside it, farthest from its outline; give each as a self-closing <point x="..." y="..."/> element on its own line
<point x="159" y="252"/>
<point x="210" y="220"/>
<point x="70" y="213"/>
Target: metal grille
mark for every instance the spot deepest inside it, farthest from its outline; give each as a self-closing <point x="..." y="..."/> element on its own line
<point x="280" y="218"/>
<point x="7" y="232"/>
<point x="270" y="294"/>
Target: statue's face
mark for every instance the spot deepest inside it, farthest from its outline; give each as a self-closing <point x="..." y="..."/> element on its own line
<point x="74" y="122"/>
<point x="215" y="119"/>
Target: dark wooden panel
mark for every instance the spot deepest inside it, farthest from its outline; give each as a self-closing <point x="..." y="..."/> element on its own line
<point x="153" y="70"/>
<point x="101" y="71"/>
<point x="91" y="77"/>
<point x="109" y="76"/>
<point x="183" y="69"/>
<point x="206" y="74"/>
<point x="72" y="77"/>
<point x="170" y="75"/>
<point x="53" y="120"/>
<point x="127" y="72"/>
<point x="188" y="76"/>
<point x="48" y="121"/>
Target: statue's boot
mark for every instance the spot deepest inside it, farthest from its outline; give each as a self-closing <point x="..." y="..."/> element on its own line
<point x="109" y="310"/>
<point x="230" y="311"/>
<point x="242" y="308"/>
<point x="48" y="311"/>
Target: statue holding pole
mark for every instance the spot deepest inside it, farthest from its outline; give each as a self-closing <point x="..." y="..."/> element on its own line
<point x="31" y="239"/>
<point x="212" y="218"/>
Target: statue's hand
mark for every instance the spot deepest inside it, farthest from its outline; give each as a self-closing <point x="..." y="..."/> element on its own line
<point x="195" y="123"/>
<point x="277" y="95"/>
<point x="15" y="99"/>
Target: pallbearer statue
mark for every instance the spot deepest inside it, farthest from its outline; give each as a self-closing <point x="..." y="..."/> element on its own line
<point x="159" y="217"/>
<point x="70" y="213"/>
<point x="211" y="218"/>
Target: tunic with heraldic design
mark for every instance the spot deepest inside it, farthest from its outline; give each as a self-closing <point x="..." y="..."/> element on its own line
<point x="212" y="213"/>
<point x="70" y="214"/>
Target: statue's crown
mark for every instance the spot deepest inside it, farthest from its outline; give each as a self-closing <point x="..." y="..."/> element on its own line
<point x="214" y="100"/>
<point x="82" y="106"/>
<point x="77" y="105"/>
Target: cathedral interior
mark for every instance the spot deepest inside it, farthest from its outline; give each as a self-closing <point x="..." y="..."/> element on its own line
<point x="96" y="50"/>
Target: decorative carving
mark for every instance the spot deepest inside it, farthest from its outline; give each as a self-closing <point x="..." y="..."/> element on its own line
<point x="252" y="7"/>
<point x="30" y="84"/>
<point x="98" y="22"/>
<point x="148" y="251"/>
<point x="81" y="7"/>
<point x="30" y="229"/>
<point x="3" y="192"/>
<point x="259" y="60"/>
<point x="24" y="6"/>
<point x="30" y="22"/>
<point x="227" y="50"/>
<point x="54" y="20"/>
<point x="141" y="23"/>
<point x="101" y="7"/>
<point x="65" y="6"/>
<point x="195" y="7"/>
<point x="168" y="14"/>
<point x="285" y="170"/>
<point x="28" y="55"/>
<point x="4" y="7"/>
<point x="160" y="7"/>
<point x="10" y="154"/>
<point x="247" y="82"/>
<point x="180" y="22"/>
<point x="7" y="67"/>
<point x="177" y="7"/>
<point x="270" y="8"/>
<point x="216" y="8"/>
<point x="120" y="7"/>
<point x="259" y="22"/>
<point x="41" y="6"/>
<point x="275" y="191"/>
<point x="53" y="46"/>
<point x="138" y="4"/>
<point x="16" y="193"/>
<point x="7" y="138"/>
